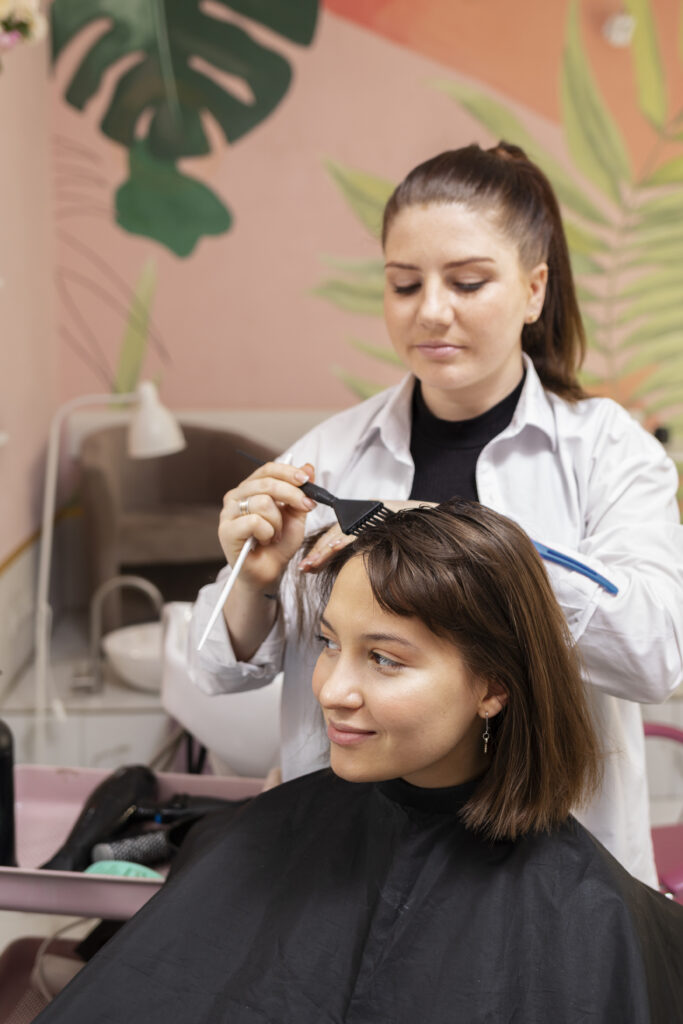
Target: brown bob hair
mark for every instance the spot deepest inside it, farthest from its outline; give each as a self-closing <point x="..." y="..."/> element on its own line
<point x="474" y="577"/>
<point x="504" y="181"/>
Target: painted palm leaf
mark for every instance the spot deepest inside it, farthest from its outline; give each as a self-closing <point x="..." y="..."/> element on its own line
<point x="181" y="52"/>
<point x="626" y="249"/>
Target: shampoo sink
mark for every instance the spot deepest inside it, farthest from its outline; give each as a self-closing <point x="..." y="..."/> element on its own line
<point x="135" y="653"/>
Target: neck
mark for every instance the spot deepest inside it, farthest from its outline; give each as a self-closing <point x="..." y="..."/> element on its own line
<point x="467" y="402"/>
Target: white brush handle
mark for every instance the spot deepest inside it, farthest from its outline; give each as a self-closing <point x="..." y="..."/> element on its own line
<point x="248" y="546"/>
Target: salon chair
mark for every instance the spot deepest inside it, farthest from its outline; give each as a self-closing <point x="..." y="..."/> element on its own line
<point x="668" y="839"/>
<point x="158" y="518"/>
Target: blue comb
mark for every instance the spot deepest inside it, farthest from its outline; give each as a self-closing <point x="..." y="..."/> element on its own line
<point x="551" y="555"/>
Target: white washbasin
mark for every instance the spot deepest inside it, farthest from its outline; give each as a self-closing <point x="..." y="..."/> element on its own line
<point x="135" y="654"/>
<point x="241" y="729"/>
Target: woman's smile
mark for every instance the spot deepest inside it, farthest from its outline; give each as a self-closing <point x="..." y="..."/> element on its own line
<point x="347" y="735"/>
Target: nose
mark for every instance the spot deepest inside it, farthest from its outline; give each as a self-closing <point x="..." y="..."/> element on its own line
<point x="436" y="308"/>
<point x="337" y="688"/>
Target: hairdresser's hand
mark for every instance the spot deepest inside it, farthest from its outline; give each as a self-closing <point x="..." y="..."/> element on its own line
<point x="333" y="539"/>
<point x="323" y="549"/>
<point x="271" y="507"/>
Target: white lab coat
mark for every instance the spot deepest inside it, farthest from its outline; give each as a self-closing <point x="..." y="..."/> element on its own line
<point x="583" y="478"/>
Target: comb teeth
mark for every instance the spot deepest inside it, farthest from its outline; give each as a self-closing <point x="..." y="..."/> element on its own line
<point x="372" y="518"/>
<point x="352" y="515"/>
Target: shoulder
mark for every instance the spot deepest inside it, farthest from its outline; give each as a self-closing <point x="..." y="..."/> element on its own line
<point x="346" y="428"/>
<point x="586" y="874"/>
<point x="295" y="801"/>
<point x="605" y="418"/>
<point x="601" y="430"/>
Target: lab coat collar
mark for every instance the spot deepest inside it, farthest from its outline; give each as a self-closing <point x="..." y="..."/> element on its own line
<point x="534" y="409"/>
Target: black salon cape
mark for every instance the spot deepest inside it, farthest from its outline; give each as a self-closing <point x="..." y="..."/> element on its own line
<point x="326" y="901"/>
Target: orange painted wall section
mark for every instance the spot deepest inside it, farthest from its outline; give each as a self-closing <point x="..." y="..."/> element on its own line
<point x="516" y="48"/>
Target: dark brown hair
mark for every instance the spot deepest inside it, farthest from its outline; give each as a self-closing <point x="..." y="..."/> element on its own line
<point x="504" y="181"/>
<point x="474" y="577"/>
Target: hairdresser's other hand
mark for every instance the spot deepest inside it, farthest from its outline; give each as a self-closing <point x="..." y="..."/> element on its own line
<point x="333" y="539"/>
<point x="323" y="549"/>
<point x="270" y="506"/>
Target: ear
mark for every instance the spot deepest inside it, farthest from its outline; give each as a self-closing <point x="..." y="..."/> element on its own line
<point x="538" y="280"/>
<point x="494" y="700"/>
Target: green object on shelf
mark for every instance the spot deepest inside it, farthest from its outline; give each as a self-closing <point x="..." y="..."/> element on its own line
<point x="123" y="869"/>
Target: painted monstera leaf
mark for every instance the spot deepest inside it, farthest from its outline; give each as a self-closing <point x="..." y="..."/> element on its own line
<point x="157" y="106"/>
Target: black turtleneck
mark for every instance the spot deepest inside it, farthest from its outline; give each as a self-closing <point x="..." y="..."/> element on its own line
<point x="445" y="452"/>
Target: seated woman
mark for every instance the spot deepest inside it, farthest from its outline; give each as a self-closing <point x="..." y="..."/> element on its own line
<point x="435" y="874"/>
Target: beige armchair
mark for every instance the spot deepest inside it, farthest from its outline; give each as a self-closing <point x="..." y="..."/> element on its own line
<point x="158" y="517"/>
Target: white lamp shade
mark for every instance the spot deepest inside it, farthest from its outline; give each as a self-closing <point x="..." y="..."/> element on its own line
<point x="153" y="430"/>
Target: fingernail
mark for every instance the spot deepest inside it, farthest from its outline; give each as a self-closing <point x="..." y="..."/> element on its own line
<point x="306" y="564"/>
<point x="301" y="478"/>
<point x="309" y="503"/>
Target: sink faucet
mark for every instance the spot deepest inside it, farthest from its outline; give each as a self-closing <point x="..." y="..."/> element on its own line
<point x="92" y="681"/>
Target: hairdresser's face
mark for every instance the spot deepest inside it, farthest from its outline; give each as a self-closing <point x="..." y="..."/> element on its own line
<point x="455" y="300"/>
<point x="397" y="700"/>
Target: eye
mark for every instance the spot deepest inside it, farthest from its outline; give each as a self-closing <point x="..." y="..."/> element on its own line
<point x="326" y="642"/>
<point x="405" y="289"/>
<point x="468" y="286"/>
<point x="382" y="661"/>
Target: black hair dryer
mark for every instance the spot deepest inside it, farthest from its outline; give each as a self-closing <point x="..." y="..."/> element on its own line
<point x="108" y="810"/>
<point x="7" y="846"/>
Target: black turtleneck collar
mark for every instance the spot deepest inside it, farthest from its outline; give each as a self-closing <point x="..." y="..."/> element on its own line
<point x="471" y="433"/>
<point x="446" y="800"/>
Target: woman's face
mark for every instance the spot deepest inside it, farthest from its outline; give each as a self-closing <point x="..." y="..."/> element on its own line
<point x="455" y="300"/>
<point x="397" y="700"/>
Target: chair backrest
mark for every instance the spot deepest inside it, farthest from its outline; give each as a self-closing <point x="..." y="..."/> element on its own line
<point x="667" y="840"/>
<point x="667" y="732"/>
<point x="200" y="474"/>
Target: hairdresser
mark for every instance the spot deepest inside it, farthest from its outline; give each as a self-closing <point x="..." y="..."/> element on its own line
<point x="481" y="307"/>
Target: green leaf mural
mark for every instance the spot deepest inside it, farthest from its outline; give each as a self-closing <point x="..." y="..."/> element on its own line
<point x="134" y="345"/>
<point x="168" y="93"/>
<point x="648" y="64"/>
<point x="160" y="202"/>
<point x="594" y="138"/>
<point x="626" y="249"/>
<point x="365" y="194"/>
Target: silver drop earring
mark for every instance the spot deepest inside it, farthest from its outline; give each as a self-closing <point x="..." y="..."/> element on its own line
<point x="486" y="735"/>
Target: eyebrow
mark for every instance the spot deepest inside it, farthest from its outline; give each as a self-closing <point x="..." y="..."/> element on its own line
<point x="448" y="266"/>
<point x="377" y="637"/>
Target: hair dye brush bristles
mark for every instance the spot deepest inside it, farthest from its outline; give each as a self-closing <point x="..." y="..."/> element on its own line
<point x="352" y="516"/>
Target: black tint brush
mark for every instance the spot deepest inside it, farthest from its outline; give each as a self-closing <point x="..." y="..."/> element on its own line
<point x="353" y="516"/>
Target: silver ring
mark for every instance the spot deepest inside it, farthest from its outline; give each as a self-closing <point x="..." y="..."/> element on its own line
<point x="244" y="507"/>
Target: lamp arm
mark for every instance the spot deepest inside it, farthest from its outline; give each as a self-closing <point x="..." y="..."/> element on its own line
<point x="43" y="619"/>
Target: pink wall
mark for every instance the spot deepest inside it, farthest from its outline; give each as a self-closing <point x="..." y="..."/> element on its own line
<point x="238" y="320"/>
<point x="28" y="354"/>
<point x="236" y="325"/>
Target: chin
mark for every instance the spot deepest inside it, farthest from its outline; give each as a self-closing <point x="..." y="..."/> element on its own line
<point x="345" y="769"/>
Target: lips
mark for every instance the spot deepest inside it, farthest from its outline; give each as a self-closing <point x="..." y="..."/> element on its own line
<point x="438" y="348"/>
<point x="347" y="735"/>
